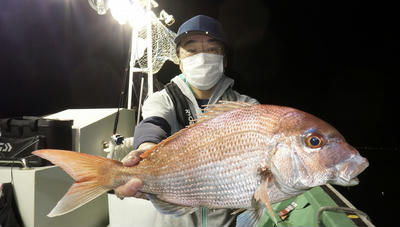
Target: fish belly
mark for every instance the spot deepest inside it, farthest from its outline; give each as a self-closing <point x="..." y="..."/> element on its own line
<point x="224" y="184"/>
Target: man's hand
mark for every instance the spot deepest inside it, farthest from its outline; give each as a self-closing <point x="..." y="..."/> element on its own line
<point x="131" y="188"/>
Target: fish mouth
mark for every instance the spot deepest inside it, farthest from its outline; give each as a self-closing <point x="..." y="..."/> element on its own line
<point x="348" y="171"/>
<point x="345" y="182"/>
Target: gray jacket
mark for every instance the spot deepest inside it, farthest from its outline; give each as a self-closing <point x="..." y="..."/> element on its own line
<point x="160" y="104"/>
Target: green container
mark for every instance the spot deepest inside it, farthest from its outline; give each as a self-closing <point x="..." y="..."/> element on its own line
<point x="308" y="204"/>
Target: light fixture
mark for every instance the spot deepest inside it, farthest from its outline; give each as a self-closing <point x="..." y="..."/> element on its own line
<point x="99" y="5"/>
<point x="128" y="11"/>
<point x="139" y="14"/>
<point x="167" y="18"/>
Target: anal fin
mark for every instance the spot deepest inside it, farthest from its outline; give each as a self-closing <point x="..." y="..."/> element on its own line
<point x="170" y="208"/>
<point x="250" y="217"/>
<point x="238" y="211"/>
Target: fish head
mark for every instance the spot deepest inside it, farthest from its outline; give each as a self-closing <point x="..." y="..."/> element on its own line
<point x="310" y="152"/>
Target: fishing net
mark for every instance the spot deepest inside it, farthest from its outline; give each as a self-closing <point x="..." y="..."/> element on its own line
<point x="162" y="43"/>
<point x="132" y="11"/>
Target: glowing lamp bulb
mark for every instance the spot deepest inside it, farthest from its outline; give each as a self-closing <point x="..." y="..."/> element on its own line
<point x="128" y="11"/>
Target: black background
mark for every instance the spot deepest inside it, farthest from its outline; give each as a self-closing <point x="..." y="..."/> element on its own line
<point x="332" y="59"/>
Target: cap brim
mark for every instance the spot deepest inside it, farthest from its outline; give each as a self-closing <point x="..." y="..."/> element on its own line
<point x="183" y="36"/>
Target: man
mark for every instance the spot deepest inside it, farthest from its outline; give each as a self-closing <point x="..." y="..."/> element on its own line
<point x="200" y="46"/>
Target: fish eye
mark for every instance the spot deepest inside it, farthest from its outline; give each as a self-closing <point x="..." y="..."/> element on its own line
<point x="314" y="140"/>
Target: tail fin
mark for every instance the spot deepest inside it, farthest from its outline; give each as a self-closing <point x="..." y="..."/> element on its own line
<point x="91" y="173"/>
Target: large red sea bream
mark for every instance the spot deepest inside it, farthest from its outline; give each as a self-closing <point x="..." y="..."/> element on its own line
<point x="237" y="155"/>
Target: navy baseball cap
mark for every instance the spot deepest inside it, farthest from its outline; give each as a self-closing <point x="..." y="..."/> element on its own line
<point x="201" y="25"/>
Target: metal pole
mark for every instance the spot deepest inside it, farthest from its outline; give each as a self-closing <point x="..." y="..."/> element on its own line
<point x="132" y="66"/>
<point x="140" y="100"/>
<point x="149" y="50"/>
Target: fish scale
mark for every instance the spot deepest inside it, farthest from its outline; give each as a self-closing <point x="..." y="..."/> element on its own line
<point x="235" y="142"/>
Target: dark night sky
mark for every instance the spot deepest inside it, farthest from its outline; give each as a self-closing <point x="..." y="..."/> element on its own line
<point x="332" y="59"/>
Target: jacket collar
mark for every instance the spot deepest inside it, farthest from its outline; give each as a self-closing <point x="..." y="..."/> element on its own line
<point x="223" y="84"/>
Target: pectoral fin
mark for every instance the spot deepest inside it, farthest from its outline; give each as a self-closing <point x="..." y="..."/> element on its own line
<point x="170" y="208"/>
<point x="262" y="194"/>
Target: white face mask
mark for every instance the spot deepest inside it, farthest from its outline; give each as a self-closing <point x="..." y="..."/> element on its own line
<point x="203" y="70"/>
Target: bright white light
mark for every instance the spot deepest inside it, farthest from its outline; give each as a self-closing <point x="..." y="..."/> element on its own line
<point x="128" y="11"/>
<point x="119" y="10"/>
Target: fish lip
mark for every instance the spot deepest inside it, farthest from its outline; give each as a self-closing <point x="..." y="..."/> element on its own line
<point x="347" y="182"/>
<point x="353" y="181"/>
<point x="344" y="181"/>
<point x="349" y="171"/>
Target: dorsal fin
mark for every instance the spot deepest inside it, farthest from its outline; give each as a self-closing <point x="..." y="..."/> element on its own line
<point x="214" y="110"/>
<point x="211" y="111"/>
<point x="165" y="141"/>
